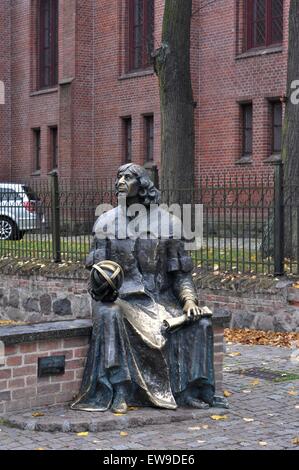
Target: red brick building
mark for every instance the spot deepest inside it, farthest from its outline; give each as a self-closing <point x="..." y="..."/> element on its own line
<point x="82" y="96"/>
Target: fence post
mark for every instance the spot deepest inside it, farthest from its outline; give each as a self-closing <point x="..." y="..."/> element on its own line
<point x="278" y="219"/>
<point x="55" y="217"/>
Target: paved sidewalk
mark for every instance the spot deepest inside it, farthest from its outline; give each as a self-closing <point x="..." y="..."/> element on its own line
<point x="263" y="415"/>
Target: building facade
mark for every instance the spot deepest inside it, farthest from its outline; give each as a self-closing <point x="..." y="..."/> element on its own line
<point x="81" y="94"/>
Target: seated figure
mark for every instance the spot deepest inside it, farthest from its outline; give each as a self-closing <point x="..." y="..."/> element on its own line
<point x="133" y="360"/>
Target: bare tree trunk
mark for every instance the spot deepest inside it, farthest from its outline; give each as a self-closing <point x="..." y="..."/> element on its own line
<point x="290" y="147"/>
<point x="172" y="65"/>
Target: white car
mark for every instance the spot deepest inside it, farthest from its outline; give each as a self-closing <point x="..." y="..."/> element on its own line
<point x="19" y="211"/>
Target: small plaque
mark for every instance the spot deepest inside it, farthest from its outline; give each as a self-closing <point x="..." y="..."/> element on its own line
<point x="53" y="365"/>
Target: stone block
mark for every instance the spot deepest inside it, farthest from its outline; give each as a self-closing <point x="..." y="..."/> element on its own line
<point x="31" y="304"/>
<point x="45" y="304"/>
<point x="242" y="320"/>
<point x="62" y="307"/>
<point x="14" y="298"/>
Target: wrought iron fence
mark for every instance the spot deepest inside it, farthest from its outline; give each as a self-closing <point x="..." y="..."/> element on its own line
<point x="250" y="223"/>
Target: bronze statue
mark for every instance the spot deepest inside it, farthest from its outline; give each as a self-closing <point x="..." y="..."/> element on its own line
<point x="134" y="359"/>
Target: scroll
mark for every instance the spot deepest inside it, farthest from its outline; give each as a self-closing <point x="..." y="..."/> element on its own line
<point x="172" y="323"/>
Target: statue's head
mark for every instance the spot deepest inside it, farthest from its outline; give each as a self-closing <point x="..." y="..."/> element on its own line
<point x="133" y="181"/>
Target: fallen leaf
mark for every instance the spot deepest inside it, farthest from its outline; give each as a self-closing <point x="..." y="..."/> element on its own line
<point x="37" y="414"/>
<point x="255" y="382"/>
<point x="234" y="354"/>
<point x="205" y="426"/>
<point x="295" y="441"/>
<point x="293" y="393"/>
<point x="266" y="338"/>
<point x="123" y="433"/>
<point x="248" y="420"/>
<point x="218" y="417"/>
<point x="263" y="443"/>
<point x="226" y="393"/>
<point x="119" y="414"/>
<point x="82" y="434"/>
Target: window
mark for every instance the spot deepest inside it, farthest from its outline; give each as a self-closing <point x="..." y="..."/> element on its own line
<point x="48" y="43"/>
<point x="149" y="138"/>
<point x="141" y="33"/>
<point x="127" y="133"/>
<point x="36" y="147"/>
<point x="246" y="130"/>
<point x="264" y="23"/>
<point x="54" y="147"/>
<point x="276" y="127"/>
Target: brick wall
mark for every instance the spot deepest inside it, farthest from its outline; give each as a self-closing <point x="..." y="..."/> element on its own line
<point x="228" y="78"/>
<point x="95" y="91"/>
<point x="254" y="302"/>
<point x="5" y="61"/>
<point x="21" y="388"/>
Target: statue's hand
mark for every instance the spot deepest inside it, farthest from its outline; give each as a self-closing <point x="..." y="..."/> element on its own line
<point x="192" y="310"/>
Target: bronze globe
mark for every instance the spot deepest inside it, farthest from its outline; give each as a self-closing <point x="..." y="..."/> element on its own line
<point x="106" y="278"/>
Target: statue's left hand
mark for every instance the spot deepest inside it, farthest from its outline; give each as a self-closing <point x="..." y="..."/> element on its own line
<point x="192" y="310"/>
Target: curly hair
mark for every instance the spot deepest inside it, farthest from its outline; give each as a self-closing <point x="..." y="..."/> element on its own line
<point x="148" y="193"/>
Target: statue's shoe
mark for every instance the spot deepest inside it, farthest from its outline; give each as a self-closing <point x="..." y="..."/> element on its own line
<point x="196" y="403"/>
<point x="119" y="406"/>
<point x="220" y="402"/>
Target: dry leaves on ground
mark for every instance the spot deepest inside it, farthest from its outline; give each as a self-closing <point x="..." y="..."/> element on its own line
<point x="11" y="323"/>
<point x="265" y="338"/>
<point x="218" y="417"/>
<point x="227" y="394"/>
<point x="123" y="434"/>
<point x="38" y="414"/>
<point x="295" y="441"/>
<point x="82" y="434"/>
<point x="255" y="382"/>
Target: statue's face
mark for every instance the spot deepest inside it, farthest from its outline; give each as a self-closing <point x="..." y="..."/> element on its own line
<point x="127" y="184"/>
